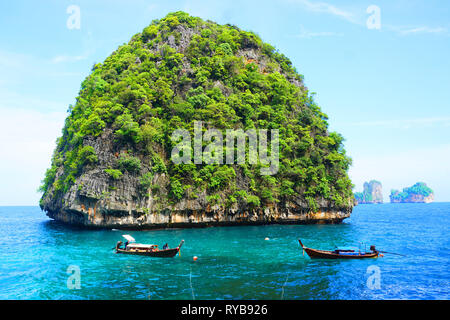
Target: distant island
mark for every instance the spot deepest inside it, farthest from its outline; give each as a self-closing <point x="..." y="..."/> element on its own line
<point x="418" y="193"/>
<point x="372" y="193"/>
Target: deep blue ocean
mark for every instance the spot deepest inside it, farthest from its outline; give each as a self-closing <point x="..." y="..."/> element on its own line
<point x="233" y="262"/>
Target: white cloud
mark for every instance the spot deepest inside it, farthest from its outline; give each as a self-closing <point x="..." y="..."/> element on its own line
<point x="27" y="140"/>
<point x="404" y="31"/>
<point x="305" y="34"/>
<point x="152" y="7"/>
<point x="13" y="60"/>
<point x="20" y="72"/>
<point x="359" y="17"/>
<point x="406" y="123"/>
<point x="323" y="7"/>
<point x="13" y="100"/>
<point x="403" y="169"/>
<point x="89" y="45"/>
<point x="63" y="58"/>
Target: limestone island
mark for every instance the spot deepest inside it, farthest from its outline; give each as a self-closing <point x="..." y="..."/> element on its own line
<point x="418" y="193"/>
<point x="372" y="193"/>
<point x="112" y="166"/>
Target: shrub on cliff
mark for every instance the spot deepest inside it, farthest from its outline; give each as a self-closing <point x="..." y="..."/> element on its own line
<point x="114" y="173"/>
<point x="129" y="163"/>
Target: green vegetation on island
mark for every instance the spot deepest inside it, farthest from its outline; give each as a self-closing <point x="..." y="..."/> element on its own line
<point x="419" y="192"/>
<point x="178" y="70"/>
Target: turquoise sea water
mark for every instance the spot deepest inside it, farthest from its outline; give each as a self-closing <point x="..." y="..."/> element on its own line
<point x="233" y="262"/>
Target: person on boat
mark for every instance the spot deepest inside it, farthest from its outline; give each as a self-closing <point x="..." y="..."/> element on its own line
<point x="166" y="246"/>
<point x="126" y="244"/>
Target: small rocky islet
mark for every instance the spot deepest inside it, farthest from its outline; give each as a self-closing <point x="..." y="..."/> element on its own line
<point x="372" y="193"/>
<point x="418" y="193"/>
<point x="112" y="165"/>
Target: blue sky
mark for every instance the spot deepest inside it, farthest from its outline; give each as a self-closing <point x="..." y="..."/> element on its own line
<point x="386" y="90"/>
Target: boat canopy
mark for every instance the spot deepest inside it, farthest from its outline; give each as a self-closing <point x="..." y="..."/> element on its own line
<point x="129" y="238"/>
<point x="347" y="248"/>
<point x="350" y="253"/>
<point x="141" y="246"/>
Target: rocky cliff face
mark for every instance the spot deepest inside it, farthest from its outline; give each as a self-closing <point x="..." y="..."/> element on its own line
<point x="373" y="193"/>
<point x="98" y="200"/>
<point x="418" y="193"/>
<point x="112" y="166"/>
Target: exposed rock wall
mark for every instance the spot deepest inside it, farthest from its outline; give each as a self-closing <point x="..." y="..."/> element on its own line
<point x="372" y="193"/>
<point x="97" y="200"/>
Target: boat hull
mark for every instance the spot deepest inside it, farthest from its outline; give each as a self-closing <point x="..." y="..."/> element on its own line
<point x="321" y="254"/>
<point x="324" y="254"/>
<point x="169" y="253"/>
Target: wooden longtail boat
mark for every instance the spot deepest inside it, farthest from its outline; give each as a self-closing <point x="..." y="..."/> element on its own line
<point x="149" y="250"/>
<point x="339" y="254"/>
